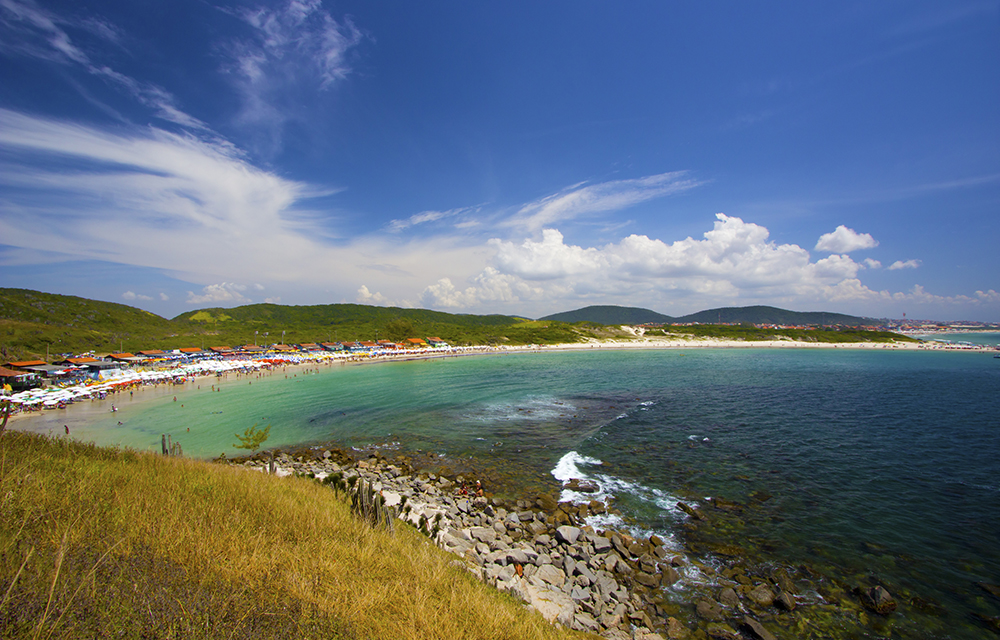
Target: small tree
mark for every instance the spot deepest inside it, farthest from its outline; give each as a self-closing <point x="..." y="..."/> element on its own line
<point x="253" y="437"/>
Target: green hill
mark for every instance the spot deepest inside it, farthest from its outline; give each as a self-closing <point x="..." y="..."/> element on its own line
<point x="773" y="315"/>
<point x="611" y="314"/>
<point x="615" y="315"/>
<point x="33" y="324"/>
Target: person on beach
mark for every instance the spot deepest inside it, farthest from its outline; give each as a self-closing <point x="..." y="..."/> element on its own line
<point x="66" y="427"/>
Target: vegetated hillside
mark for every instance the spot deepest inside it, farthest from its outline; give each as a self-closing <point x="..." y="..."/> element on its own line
<point x="610" y="314"/>
<point x="100" y="542"/>
<point x="351" y="322"/>
<point x="32" y="322"/>
<point x="750" y="333"/>
<point x="772" y="315"/>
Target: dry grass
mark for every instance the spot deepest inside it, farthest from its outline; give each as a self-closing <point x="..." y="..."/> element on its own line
<point x="97" y="542"/>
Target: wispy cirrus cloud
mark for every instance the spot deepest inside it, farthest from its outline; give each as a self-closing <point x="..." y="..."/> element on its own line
<point x="292" y="48"/>
<point x="30" y="30"/>
<point x="584" y="200"/>
<point x="425" y="217"/>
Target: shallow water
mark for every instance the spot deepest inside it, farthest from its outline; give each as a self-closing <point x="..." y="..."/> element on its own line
<point x="881" y="466"/>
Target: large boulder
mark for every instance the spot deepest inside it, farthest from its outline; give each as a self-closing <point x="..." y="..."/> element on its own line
<point x="567" y="534"/>
<point x="709" y="610"/>
<point x="878" y="600"/>
<point x="552" y="604"/>
<point x="722" y="631"/>
<point x="761" y="595"/>
<point x="483" y="534"/>
<point x="551" y="574"/>
<point x="756" y="629"/>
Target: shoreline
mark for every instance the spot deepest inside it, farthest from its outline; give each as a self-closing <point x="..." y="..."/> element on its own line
<point x="564" y="559"/>
<point x="269" y="366"/>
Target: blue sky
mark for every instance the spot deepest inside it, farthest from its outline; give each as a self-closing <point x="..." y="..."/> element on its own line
<point x="522" y="158"/>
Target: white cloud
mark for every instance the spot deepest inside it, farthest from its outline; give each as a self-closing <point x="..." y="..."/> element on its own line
<point x="733" y="260"/>
<point x="845" y="240"/>
<point x="367" y="297"/>
<point x="131" y="295"/>
<point x="275" y="300"/>
<point x="164" y="296"/>
<point x="295" y="47"/>
<point x="579" y="200"/>
<point x="488" y="287"/>
<point x="904" y="264"/>
<point x="35" y="32"/>
<point x="872" y="264"/>
<point x="424" y="217"/>
<point x="222" y="293"/>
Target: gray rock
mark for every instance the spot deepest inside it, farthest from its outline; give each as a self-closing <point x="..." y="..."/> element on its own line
<point x="551" y="574"/>
<point x="543" y="558"/>
<point x="877" y="599"/>
<point x="729" y="598"/>
<point x="650" y="580"/>
<point x="578" y="594"/>
<point x="601" y="544"/>
<point x="761" y="595"/>
<point x="483" y="534"/>
<point x="670" y="575"/>
<point x="785" y="600"/>
<point x="517" y="556"/>
<point x="722" y="631"/>
<point x="756" y="629"/>
<point x="567" y="534"/>
<point x="709" y="610"/>
<point x="552" y="604"/>
<point x="585" y="622"/>
<point x="582" y="570"/>
<point x="499" y="527"/>
<point x="568" y="565"/>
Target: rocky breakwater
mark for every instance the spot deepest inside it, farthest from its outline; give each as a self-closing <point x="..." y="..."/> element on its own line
<point x="539" y="550"/>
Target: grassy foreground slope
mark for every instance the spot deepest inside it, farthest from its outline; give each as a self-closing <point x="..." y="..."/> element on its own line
<point x="97" y="542"/>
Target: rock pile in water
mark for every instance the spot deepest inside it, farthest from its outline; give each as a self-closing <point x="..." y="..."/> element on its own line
<point x="540" y="550"/>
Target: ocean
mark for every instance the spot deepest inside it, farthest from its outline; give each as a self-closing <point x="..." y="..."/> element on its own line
<point x="842" y="467"/>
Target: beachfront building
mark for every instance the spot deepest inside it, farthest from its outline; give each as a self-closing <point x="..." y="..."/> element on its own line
<point x="333" y="346"/>
<point x="310" y="347"/>
<point x="14" y="381"/>
<point x="128" y="358"/>
<point x="437" y="342"/>
<point x="415" y="343"/>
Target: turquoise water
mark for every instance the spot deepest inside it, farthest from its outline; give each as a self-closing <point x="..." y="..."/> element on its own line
<point x="988" y="338"/>
<point x="881" y="466"/>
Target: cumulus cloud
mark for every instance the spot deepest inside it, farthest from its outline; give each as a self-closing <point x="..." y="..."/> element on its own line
<point x="222" y="293"/>
<point x="872" y="264"/>
<point x="580" y="199"/>
<point x="489" y="286"/>
<point x="845" y="240"/>
<point x="904" y="264"/>
<point x="164" y="296"/>
<point x="367" y="297"/>
<point x="733" y="259"/>
<point x="131" y="295"/>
